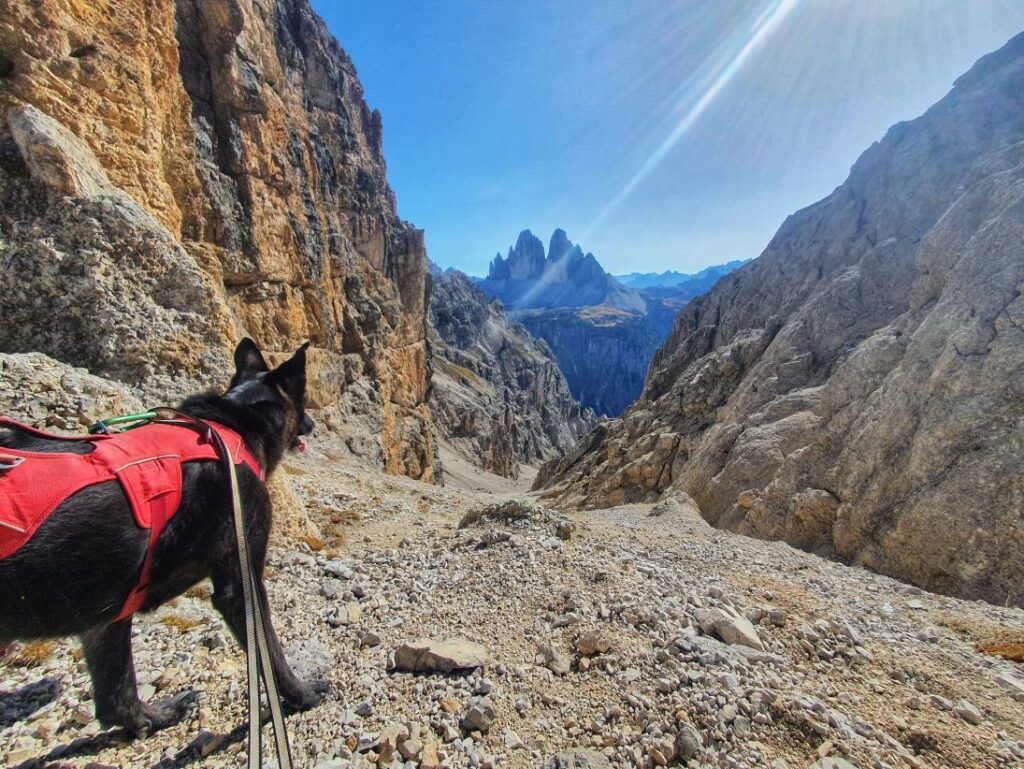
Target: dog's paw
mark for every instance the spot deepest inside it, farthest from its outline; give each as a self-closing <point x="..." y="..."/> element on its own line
<point x="308" y="695"/>
<point x="166" y="712"/>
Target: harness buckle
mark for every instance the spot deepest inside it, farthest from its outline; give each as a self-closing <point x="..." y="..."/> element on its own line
<point x="7" y="462"/>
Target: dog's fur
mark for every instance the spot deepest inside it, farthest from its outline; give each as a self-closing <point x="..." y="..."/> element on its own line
<point x="73" y="575"/>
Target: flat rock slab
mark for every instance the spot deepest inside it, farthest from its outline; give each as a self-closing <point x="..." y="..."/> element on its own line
<point x="578" y="759"/>
<point x="425" y="655"/>
<point x="731" y="628"/>
<point x="832" y="763"/>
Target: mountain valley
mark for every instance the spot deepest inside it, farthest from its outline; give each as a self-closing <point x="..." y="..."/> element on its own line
<point x="603" y="333"/>
<point x="763" y="516"/>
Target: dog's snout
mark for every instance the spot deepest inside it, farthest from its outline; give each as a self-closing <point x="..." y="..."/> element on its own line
<point x="307" y="425"/>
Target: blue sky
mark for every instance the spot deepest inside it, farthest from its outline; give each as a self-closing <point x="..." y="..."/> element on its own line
<point x="660" y="135"/>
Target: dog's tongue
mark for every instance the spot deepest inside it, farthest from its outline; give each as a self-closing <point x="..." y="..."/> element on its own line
<point x="302" y="443"/>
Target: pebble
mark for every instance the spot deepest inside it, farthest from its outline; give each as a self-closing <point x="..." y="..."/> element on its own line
<point x="967" y="712"/>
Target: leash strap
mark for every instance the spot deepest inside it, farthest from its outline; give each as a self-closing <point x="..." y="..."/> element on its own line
<point x="257" y="649"/>
<point x="258" y="663"/>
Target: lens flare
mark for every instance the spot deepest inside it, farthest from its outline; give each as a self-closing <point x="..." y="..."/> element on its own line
<point x="699" y="92"/>
<point x="690" y="100"/>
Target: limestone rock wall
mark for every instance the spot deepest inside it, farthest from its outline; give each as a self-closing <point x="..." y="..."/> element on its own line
<point x="498" y="395"/>
<point x="176" y="174"/>
<point x="858" y="390"/>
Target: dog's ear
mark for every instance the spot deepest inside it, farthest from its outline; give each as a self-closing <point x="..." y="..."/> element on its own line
<point x="248" y="362"/>
<point x="291" y="375"/>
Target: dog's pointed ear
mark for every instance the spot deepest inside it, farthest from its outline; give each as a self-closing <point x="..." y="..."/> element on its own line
<point x="248" y="362"/>
<point x="291" y="375"/>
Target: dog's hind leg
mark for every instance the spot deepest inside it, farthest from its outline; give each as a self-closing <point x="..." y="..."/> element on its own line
<point x="228" y="599"/>
<point x="108" y="654"/>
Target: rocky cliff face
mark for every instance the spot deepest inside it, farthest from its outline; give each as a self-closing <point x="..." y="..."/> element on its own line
<point x="602" y="351"/>
<point x="176" y="174"/>
<point x="857" y="390"/>
<point x="498" y="395"/>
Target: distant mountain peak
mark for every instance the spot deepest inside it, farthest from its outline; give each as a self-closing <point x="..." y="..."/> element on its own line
<point x="560" y="247"/>
<point x="564" y="276"/>
<point x="701" y="280"/>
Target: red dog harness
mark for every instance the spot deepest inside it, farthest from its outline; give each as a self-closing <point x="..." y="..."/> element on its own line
<point x="145" y="460"/>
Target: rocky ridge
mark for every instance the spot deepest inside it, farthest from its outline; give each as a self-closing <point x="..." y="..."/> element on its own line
<point x="695" y="283"/>
<point x="174" y="175"/>
<point x="498" y="396"/>
<point x="856" y="390"/>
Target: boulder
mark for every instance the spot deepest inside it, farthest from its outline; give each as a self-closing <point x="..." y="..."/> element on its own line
<point x="553" y="659"/>
<point x="729" y="626"/>
<point x="445" y="656"/>
<point x="593" y="642"/>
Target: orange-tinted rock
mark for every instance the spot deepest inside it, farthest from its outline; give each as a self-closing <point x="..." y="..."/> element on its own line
<point x="245" y="173"/>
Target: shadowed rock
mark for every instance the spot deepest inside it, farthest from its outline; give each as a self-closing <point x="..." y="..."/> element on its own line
<point x="498" y="396"/>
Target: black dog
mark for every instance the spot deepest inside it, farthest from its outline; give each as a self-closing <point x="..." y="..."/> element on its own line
<point x="74" y="574"/>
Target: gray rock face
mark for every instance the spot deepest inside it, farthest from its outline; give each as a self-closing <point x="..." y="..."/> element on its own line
<point x="38" y="390"/>
<point x="858" y="390"/>
<point x="498" y="395"/>
<point x="100" y="280"/>
<point x="603" y="352"/>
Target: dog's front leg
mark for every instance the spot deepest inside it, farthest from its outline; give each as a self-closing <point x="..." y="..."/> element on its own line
<point x="229" y="601"/>
<point x="108" y="654"/>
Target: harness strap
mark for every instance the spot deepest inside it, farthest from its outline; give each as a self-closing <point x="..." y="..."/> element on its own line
<point x="9" y="462"/>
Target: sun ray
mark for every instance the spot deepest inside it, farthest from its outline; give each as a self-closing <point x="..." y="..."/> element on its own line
<point x="700" y="91"/>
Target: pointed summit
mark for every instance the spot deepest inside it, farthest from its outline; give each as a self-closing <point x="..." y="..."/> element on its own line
<point x="559" y="246"/>
<point x="525" y="260"/>
<point x="498" y="269"/>
<point x="565" y="278"/>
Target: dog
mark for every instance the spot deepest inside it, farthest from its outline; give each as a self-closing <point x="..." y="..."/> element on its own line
<point x="75" y="572"/>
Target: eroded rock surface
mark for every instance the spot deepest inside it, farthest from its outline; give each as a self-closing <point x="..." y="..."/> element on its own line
<point x="498" y="395"/>
<point x="857" y="390"/>
<point x="174" y="175"/>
